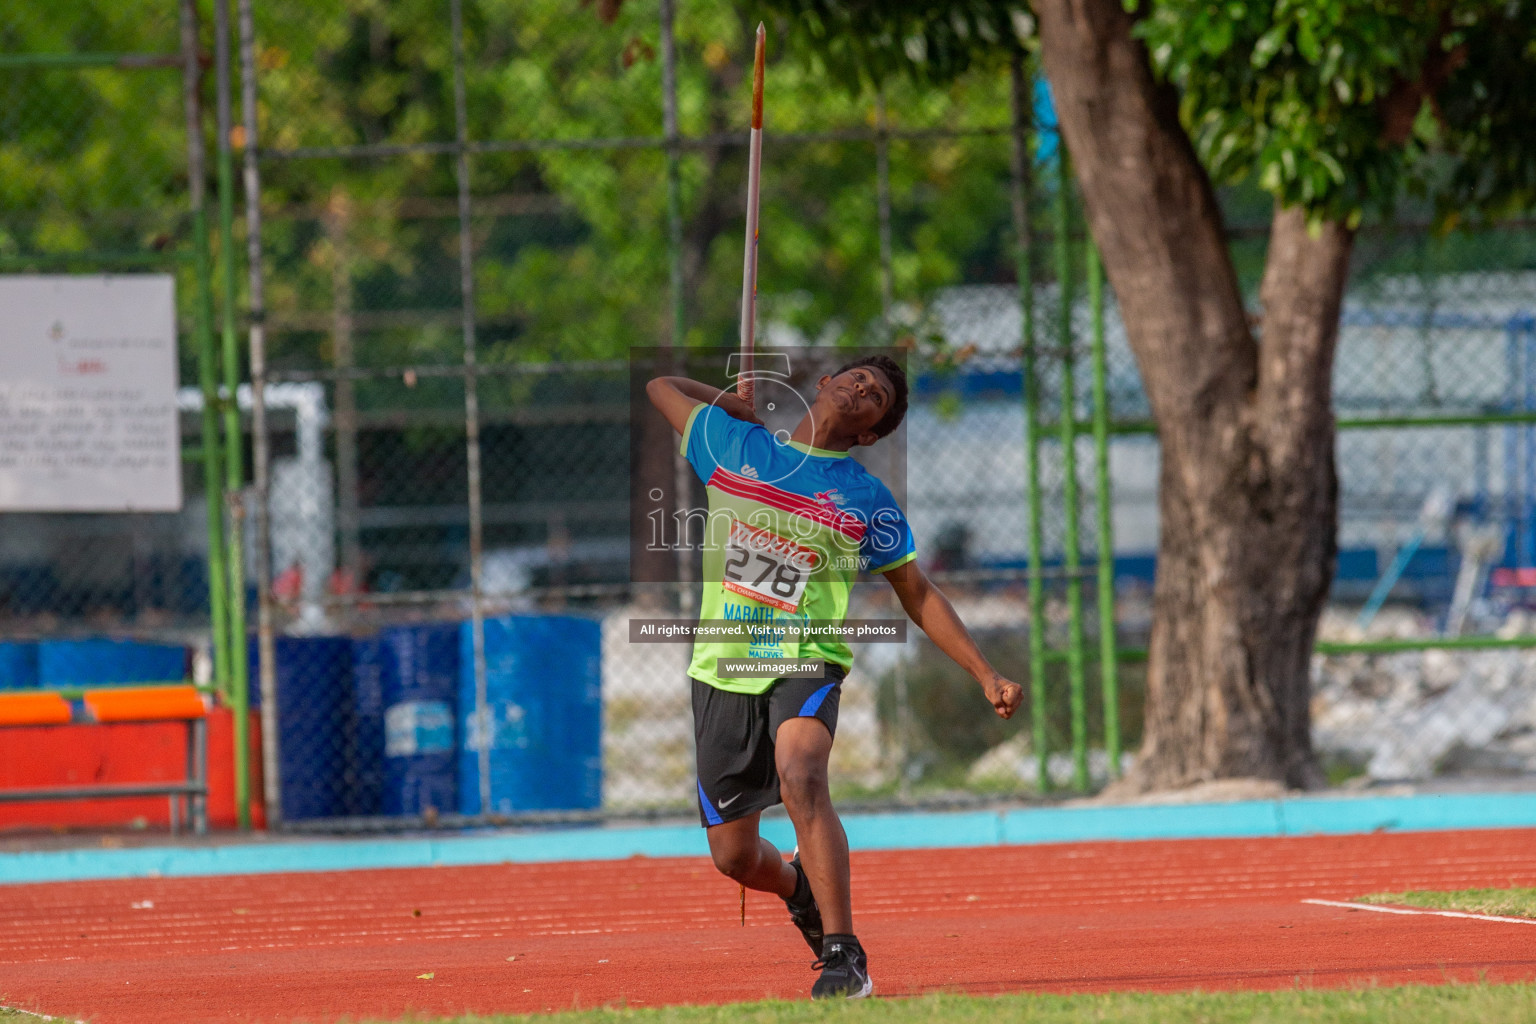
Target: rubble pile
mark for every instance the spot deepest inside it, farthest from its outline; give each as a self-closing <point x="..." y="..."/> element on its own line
<point x="1410" y="715"/>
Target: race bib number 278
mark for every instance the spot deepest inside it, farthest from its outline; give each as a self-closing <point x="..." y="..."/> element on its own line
<point x="766" y="567"/>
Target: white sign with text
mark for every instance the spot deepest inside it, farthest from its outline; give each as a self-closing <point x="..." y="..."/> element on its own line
<point x="88" y="419"/>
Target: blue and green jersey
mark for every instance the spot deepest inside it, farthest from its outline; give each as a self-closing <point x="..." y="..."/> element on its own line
<point x="789" y="528"/>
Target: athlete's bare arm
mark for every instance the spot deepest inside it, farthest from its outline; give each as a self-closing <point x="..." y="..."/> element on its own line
<point x="675" y="397"/>
<point x="926" y="605"/>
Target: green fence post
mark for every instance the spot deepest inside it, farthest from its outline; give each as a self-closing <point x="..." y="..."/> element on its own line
<point x="676" y="339"/>
<point x="207" y="356"/>
<point x="471" y="396"/>
<point x="234" y="469"/>
<point x="1109" y="676"/>
<point x="1025" y="260"/>
<point x="1072" y="557"/>
<point x="260" y="453"/>
<point x="674" y="179"/>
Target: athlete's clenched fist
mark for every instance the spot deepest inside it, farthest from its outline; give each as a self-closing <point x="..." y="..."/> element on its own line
<point x="1004" y="695"/>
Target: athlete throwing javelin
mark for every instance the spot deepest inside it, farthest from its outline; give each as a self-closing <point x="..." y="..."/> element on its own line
<point x="789" y="526"/>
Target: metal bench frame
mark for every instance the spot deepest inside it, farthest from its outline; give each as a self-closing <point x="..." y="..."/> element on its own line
<point x="188" y="797"/>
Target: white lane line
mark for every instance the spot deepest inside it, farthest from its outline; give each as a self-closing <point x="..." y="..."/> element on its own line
<point x="1429" y="913"/>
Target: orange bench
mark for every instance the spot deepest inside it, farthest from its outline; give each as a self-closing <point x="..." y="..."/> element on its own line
<point x="115" y="705"/>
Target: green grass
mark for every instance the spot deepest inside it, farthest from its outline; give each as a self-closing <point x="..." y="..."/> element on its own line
<point x="1446" y="1004"/>
<point x="1418" y="1004"/>
<point x="1501" y="902"/>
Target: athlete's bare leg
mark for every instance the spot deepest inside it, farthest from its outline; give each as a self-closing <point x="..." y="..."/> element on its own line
<point x="801" y="750"/>
<point x="746" y="857"/>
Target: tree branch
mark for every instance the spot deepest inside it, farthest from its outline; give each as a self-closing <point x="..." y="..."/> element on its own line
<point x="1400" y="107"/>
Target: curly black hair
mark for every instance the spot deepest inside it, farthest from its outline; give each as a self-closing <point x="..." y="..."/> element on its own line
<point x="898" y="378"/>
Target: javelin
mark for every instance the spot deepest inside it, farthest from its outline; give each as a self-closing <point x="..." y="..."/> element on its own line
<point x="754" y="177"/>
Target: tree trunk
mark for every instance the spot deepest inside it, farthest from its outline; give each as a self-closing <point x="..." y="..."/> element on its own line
<point x="1248" y="491"/>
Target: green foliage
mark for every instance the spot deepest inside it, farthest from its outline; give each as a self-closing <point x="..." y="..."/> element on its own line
<point x="570" y="239"/>
<point x="1491" y="116"/>
<point x="586" y="275"/>
<point x="570" y="242"/>
<point x="1343" y="106"/>
<point x="862" y="43"/>
<point x="1288" y="92"/>
<point x="90" y="158"/>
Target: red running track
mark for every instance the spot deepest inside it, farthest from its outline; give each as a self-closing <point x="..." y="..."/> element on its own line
<point x="1082" y="917"/>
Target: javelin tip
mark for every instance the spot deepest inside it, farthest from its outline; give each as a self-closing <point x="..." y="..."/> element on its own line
<point x="757" y="77"/>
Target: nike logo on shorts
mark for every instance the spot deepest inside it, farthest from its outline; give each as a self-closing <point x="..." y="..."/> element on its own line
<point x="723" y="804"/>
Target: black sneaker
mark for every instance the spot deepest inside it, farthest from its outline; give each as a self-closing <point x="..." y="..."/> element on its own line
<point x="844" y="973"/>
<point x="806" y="915"/>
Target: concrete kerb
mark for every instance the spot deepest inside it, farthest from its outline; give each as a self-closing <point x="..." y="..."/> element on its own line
<point x="1333" y="814"/>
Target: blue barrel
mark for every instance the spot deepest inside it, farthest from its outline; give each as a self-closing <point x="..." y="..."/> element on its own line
<point x="314" y="687"/>
<point x="364" y="794"/>
<point x="63" y="664"/>
<point x="419" y="689"/>
<point x="18" y="665"/>
<point x="543" y="719"/>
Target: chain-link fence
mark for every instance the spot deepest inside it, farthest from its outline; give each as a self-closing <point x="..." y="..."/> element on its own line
<point x="470" y="215"/>
<point x="94" y="108"/>
<point x="590" y="173"/>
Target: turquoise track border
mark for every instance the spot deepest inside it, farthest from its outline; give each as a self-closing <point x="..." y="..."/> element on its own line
<point x="1321" y="815"/>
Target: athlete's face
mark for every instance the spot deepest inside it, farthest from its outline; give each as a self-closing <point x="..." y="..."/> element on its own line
<point x="859" y="398"/>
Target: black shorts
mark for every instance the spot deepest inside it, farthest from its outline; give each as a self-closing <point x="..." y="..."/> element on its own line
<point x="734" y="735"/>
